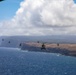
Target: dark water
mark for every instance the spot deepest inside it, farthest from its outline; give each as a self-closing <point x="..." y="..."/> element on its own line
<point x="16" y="62"/>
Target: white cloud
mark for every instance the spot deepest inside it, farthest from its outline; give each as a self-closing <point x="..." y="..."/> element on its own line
<point x="42" y="17"/>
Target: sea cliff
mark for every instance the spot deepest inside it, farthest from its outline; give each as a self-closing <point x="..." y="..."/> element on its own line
<point x="64" y="49"/>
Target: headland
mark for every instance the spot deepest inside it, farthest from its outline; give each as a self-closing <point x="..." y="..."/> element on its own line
<point x="64" y="49"/>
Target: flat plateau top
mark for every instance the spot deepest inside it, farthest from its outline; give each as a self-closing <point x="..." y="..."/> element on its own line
<point x="70" y="47"/>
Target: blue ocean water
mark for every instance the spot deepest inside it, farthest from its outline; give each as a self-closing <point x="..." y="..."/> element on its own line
<point x="17" y="62"/>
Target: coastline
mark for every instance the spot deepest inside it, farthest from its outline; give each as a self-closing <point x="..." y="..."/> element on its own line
<point x="64" y="49"/>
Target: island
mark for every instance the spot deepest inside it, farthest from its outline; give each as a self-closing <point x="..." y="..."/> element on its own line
<point x="64" y="49"/>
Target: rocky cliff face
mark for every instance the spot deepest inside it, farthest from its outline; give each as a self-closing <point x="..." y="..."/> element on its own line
<point x="16" y="40"/>
<point x="37" y="48"/>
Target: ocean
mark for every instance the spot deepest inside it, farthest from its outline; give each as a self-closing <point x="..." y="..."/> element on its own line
<point x="14" y="61"/>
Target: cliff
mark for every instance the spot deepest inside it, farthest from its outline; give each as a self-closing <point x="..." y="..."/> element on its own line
<point x="65" y="49"/>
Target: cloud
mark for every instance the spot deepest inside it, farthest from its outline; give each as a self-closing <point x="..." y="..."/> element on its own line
<point x="42" y="17"/>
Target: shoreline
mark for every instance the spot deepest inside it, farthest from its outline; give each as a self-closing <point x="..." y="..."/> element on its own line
<point x="64" y="49"/>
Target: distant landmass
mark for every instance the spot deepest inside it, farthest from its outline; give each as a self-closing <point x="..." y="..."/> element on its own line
<point x="64" y="49"/>
<point x="67" y="44"/>
<point x="49" y="39"/>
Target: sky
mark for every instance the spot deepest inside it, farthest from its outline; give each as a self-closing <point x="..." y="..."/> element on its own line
<point x="75" y="1"/>
<point x="8" y="8"/>
<point x="38" y="17"/>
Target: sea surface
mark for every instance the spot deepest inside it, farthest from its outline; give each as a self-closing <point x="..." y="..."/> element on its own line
<point x="17" y="62"/>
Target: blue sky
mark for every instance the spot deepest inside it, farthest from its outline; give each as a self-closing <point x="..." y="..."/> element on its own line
<point x="8" y="8"/>
<point x="75" y="1"/>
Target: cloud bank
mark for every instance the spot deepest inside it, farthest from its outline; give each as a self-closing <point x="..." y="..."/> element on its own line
<point x="42" y="17"/>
